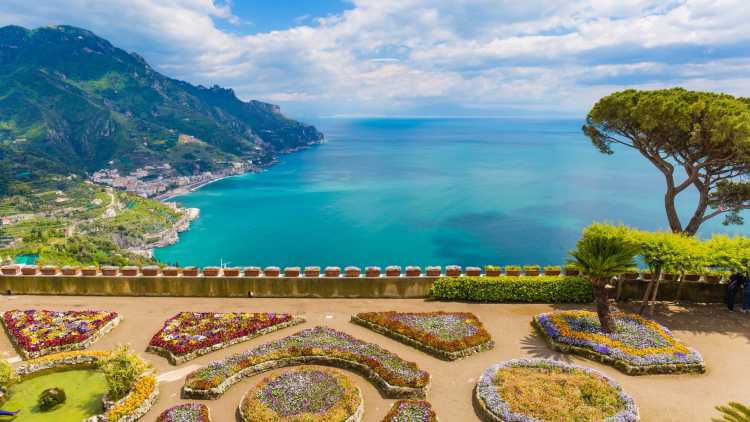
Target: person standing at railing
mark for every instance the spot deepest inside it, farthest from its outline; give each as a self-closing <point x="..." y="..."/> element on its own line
<point x="746" y="295"/>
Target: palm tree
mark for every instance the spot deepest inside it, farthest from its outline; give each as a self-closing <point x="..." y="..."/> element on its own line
<point x="599" y="256"/>
<point x="733" y="412"/>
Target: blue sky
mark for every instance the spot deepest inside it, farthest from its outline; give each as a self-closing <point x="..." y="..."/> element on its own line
<point x="423" y="57"/>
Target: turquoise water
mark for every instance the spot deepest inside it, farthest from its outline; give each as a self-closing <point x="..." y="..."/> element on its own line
<point x="423" y="192"/>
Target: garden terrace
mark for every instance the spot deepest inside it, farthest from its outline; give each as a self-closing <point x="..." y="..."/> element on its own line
<point x="394" y="376"/>
<point x="721" y="337"/>
<point x="188" y="335"/>
<point x="188" y="412"/>
<point x="637" y="346"/>
<point x="547" y="390"/>
<point x="447" y="335"/>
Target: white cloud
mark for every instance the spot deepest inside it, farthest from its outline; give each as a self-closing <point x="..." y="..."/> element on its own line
<point x="392" y="56"/>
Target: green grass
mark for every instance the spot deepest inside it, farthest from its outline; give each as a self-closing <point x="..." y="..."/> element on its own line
<point x="84" y="390"/>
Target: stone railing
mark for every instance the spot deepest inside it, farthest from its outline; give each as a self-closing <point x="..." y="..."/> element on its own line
<point x="308" y="282"/>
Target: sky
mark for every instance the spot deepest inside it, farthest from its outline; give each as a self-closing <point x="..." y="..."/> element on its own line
<point x="423" y="57"/>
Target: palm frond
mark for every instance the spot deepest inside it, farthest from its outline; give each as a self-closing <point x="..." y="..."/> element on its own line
<point x="733" y="412"/>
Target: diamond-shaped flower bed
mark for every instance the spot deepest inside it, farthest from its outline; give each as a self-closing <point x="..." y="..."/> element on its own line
<point x="394" y="376"/>
<point x="188" y="335"/>
<point x="39" y="332"/>
<point x="189" y="412"/>
<point x="447" y="335"/>
<point x="304" y="394"/>
<point x="638" y="345"/>
<point x="546" y="390"/>
<point x="411" y="411"/>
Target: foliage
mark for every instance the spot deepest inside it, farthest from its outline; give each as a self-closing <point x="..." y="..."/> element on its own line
<point x="605" y="251"/>
<point x="542" y="289"/>
<point x="512" y="268"/>
<point x="121" y="369"/>
<point x="729" y="253"/>
<point x="7" y="374"/>
<point x="733" y="412"/>
<point x="139" y="393"/>
<point x="704" y="135"/>
<point x="552" y="268"/>
<point x="531" y="268"/>
<point x="51" y="397"/>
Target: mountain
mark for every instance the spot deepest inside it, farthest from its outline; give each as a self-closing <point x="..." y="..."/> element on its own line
<point x="71" y="103"/>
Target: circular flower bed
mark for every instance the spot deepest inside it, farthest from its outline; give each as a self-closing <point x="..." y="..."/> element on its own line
<point x="304" y="394"/>
<point x="637" y="345"/>
<point x="411" y="411"/>
<point x="189" y="412"/>
<point x="447" y="335"/>
<point x="535" y="390"/>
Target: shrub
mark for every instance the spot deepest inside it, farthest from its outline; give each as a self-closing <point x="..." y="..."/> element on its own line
<point x="543" y="289"/>
<point x="512" y="268"/>
<point x="121" y="368"/>
<point x="51" y="397"/>
<point x="492" y="268"/>
<point x="531" y="268"/>
<point x="7" y="374"/>
<point x="552" y="268"/>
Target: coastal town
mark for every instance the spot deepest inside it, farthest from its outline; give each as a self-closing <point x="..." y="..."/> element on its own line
<point x="161" y="181"/>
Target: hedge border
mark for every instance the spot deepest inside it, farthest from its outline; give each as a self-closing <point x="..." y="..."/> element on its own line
<point x="621" y="365"/>
<point x="176" y="359"/>
<point x="468" y="289"/>
<point x="439" y="353"/>
<point x="388" y="390"/>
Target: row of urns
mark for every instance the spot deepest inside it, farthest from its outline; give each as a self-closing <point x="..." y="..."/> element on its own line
<point x="330" y="272"/>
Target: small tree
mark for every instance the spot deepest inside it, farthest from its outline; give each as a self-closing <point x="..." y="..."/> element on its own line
<point x="664" y="251"/>
<point x="602" y="253"/>
<point x="702" y="138"/>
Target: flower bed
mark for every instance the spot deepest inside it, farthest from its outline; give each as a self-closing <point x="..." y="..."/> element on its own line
<point x="411" y="411"/>
<point x="320" y="345"/>
<point x="638" y="345"/>
<point x="129" y="409"/>
<point x="447" y="335"/>
<point x="190" y="412"/>
<point x="39" y="332"/>
<point x="188" y="335"/>
<point x="304" y="394"/>
<point x="538" y="289"/>
<point x="533" y="390"/>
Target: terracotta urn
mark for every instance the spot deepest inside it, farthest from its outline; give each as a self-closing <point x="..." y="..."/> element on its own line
<point x="630" y="275"/>
<point x="292" y="271"/>
<point x="473" y="271"/>
<point x="252" y="271"/>
<point x="713" y="278"/>
<point x="211" y="271"/>
<point x="129" y="271"/>
<point x="231" y="272"/>
<point x="190" y="272"/>
<point x="332" y="272"/>
<point x="413" y="271"/>
<point x="492" y="271"/>
<point x="512" y="272"/>
<point x="49" y="270"/>
<point x="352" y="271"/>
<point x="150" y="271"/>
<point x="70" y="270"/>
<point x="572" y="271"/>
<point x="110" y="270"/>
<point x="453" y="271"/>
<point x="433" y="271"/>
<point x="372" y="272"/>
<point x="9" y="269"/>
<point x="89" y="271"/>
<point x="29" y="270"/>
<point x="312" y="272"/>
<point x="393" y="271"/>
<point x="691" y="277"/>
<point x="272" y="271"/>
<point x="170" y="271"/>
<point x="669" y="277"/>
<point x="531" y="272"/>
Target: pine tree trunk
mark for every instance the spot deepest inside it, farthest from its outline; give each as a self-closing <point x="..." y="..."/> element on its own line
<point x="602" y="305"/>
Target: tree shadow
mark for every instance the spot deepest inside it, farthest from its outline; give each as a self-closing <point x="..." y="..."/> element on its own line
<point x="535" y="346"/>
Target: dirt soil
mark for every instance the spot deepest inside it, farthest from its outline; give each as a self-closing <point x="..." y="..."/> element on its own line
<point x="722" y="337"/>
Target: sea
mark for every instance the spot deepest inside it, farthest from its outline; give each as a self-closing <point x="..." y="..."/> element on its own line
<point x="425" y="191"/>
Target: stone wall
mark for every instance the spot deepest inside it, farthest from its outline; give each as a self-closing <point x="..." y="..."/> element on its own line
<point x="280" y="285"/>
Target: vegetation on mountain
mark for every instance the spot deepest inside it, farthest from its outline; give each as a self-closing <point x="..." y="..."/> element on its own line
<point x="697" y="140"/>
<point x="72" y="103"/>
